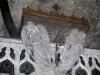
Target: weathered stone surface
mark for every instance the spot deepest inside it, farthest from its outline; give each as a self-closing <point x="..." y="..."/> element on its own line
<point x="16" y="8"/>
<point x="3" y="31"/>
<point x="79" y="8"/>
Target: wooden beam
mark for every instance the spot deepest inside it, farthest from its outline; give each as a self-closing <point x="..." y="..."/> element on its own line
<point x="56" y="16"/>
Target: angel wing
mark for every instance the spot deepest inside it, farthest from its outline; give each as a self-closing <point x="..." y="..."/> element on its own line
<point x="72" y="49"/>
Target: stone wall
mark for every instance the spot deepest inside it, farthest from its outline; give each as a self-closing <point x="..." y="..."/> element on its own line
<point x="16" y="8"/>
<point x="3" y="30"/>
<point x="79" y="8"/>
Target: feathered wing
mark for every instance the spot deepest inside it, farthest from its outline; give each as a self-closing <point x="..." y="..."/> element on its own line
<point x="72" y="49"/>
<point x="36" y="39"/>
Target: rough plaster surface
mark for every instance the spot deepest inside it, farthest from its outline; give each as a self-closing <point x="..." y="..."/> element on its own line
<point x="3" y="30"/>
<point x="79" y="8"/>
<point x="16" y="7"/>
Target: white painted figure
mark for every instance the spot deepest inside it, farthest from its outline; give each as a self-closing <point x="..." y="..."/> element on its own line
<point x="52" y="62"/>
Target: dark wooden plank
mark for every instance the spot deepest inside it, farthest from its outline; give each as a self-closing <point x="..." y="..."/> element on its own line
<point x="57" y="16"/>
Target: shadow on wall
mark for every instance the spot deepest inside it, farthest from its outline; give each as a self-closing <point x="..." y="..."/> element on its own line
<point x="54" y="26"/>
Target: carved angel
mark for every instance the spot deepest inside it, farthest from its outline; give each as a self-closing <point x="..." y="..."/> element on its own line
<point x="49" y="60"/>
